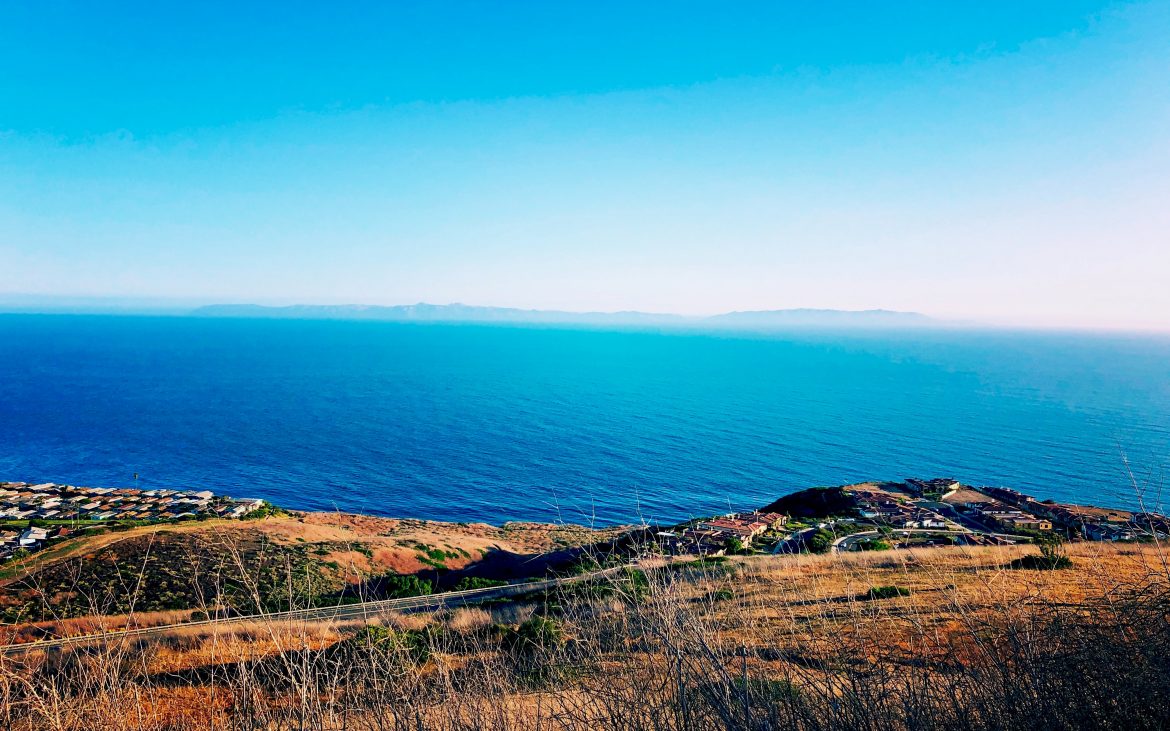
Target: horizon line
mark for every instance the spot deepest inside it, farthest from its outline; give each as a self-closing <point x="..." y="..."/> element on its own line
<point x="154" y="306"/>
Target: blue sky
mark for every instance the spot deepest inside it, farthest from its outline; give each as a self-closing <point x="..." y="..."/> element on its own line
<point x="1004" y="162"/>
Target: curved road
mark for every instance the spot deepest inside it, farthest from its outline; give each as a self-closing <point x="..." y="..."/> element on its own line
<point x="792" y="543"/>
<point x="845" y="543"/>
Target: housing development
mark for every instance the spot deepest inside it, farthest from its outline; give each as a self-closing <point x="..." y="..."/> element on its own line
<point x="868" y="516"/>
<point x="33" y="515"/>
<point x="913" y="513"/>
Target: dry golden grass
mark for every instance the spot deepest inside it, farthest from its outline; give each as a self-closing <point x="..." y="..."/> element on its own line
<point x="470" y="619"/>
<point x="208" y="646"/>
<point x="797" y="601"/>
<point x="12" y="634"/>
<point x="757" y="642"/>
<point x="359" y="545"/>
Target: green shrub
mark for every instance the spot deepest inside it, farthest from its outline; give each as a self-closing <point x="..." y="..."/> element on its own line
<point x="370" y="635"/>
<point x="264" y="511"/>
<point x="883" y="592"/>
<point x="415" y="645"/>
<point x="476" y="582"/>
<point x="538" y="633"/>
<point x="768" y="690"/>
<point x="721" y="595"/>
<point x="738" y="547"/>
<point x="820" y="541"/>
<point x="395" y="586"/>
<point x="1041" y="562"/>
<point x="1051" y="555"/>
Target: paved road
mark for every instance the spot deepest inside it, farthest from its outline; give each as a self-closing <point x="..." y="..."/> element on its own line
<point x="845" y="543"/>
<point x="363" y="610"/>
<point x="792" y="544"/>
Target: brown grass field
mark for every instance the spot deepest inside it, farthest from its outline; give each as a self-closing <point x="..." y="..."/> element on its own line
<point x="391" y="541"/>
<point x="753" y="642"/>
<point x="159" y="574"/>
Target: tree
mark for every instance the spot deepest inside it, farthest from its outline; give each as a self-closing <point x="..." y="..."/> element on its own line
<point x="1052" y="550"/>
<point x="399" y="587"/>
<point x="738" y="547"/>
<point x="1051" y="555"/>
<point x="820" y="541"/>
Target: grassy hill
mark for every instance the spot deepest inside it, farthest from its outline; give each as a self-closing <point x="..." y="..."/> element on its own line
<point x="273" y="564"/>
<point x="920" y="639"/>
<point x="815" y="502"/>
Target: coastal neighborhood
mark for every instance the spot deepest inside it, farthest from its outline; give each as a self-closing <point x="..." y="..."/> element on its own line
<point x="32" y="515"/>
<point x="914" y="513"/>
<point x="716" y="535"/>
<point x="911" y="514"/>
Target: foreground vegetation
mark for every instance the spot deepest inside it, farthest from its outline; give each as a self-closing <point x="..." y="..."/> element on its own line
<point x="958" y="638"/>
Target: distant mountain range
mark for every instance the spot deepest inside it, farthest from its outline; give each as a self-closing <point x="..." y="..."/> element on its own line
<point x="423" y="312"/>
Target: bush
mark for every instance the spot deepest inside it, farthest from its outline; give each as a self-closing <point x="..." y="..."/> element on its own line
<point x="468" y="583"/>
<point x="768" y="690"/>
<point x="370" y="635"/>
<point x="738" y="547"/>
<point x="1051" y="555"/>
<point x="1041" y="562"/>
<point x="538" y="633"/>
<point x="820" y="541"/>
<point x="264" y="511"/>
<point x="721" y="595"/>
<point x="395" y="586"/>
<point x="883" y="592"/>
<point x="636" y="582"/>
<point x="415" y="645"/>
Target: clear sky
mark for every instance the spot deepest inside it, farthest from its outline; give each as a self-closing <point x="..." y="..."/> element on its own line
<point x="1000" y="161"/>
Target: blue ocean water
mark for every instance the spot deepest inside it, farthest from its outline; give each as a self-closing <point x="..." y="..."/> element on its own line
<point x="464" y="422"/>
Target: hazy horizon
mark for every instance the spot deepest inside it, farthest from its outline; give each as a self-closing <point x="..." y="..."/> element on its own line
<point x="13" y="304"/>
<point x="49" y="304"/>
<point x="995" y="164"/>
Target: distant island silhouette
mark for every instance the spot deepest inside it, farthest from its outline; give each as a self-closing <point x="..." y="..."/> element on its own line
<point x="423" y="312"/>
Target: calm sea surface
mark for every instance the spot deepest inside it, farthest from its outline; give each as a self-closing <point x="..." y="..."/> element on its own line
<point x="495" y="423"/>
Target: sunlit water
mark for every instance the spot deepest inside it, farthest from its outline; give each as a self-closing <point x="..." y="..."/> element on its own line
<point x="497" y="423"/>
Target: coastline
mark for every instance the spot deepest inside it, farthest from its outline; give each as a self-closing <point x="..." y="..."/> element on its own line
<point x="36" y="517"/>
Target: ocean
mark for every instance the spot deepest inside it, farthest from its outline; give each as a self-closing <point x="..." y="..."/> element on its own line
<point x="497" y="423"/>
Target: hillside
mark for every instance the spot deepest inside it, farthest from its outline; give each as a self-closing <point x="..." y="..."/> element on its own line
<point x="815" y="502"/>
<point x="892" y="627"/>
<point x="943" y="638"/>
<point x="271" y="564"/>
